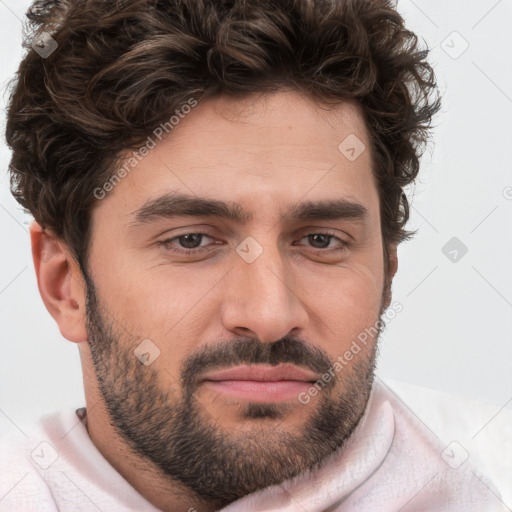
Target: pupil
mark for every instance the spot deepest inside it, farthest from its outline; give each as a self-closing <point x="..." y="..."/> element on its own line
<point x="314" y="239"/>
<point x="190" y="241"/>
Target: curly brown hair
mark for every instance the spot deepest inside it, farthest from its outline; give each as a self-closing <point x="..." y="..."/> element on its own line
<point x="121" y="67"/>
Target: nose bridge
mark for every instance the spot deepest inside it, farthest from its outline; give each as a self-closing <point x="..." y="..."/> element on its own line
<point x="261" y="296"/>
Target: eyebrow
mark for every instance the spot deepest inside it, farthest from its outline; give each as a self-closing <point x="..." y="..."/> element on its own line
<point x="174" y="205"/>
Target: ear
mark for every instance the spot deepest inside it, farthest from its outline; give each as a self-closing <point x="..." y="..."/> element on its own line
<point x="391" y="271"/>
<point x="60" y="283"/>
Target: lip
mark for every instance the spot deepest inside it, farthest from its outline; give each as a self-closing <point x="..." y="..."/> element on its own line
<point x="259" y="391"/>
<point x="263" y="373"/>
<point x="261" y="383"/>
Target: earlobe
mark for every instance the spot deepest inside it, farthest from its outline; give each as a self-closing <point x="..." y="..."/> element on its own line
<point x="60" y="283"/>
<point x="390" y="274"/>
<point x="393" y="260"/>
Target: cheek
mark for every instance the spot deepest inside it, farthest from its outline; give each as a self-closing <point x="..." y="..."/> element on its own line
<point x="347" y="305"/>
<point x="160" y="304"/>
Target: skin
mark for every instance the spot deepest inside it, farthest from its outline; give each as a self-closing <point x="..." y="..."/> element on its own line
<point x="268" y="153"/>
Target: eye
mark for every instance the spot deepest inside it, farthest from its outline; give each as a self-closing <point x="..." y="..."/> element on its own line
<point x="190" y="243"/>
<point x="322" y="241"/>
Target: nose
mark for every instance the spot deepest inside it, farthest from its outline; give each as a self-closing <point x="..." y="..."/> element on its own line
<point x="263" y="299"/>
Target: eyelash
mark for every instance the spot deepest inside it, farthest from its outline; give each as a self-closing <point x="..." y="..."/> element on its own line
<point x="186" y="252"/>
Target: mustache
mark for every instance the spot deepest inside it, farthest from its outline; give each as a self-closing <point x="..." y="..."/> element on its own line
<point x="249" y="351"/>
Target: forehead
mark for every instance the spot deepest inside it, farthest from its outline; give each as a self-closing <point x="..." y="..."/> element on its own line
<point x="263" y="151"/>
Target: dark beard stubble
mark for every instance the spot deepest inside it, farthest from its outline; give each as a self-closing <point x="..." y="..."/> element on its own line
<point x="185" y="443"/>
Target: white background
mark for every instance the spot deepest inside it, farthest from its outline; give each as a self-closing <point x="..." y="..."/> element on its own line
<point x="454" y="333"/>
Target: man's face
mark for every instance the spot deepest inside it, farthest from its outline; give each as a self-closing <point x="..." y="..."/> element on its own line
<point x="285" y="284"/>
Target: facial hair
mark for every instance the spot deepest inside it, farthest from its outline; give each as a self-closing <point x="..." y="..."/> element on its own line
<point x="172" y="430"/>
